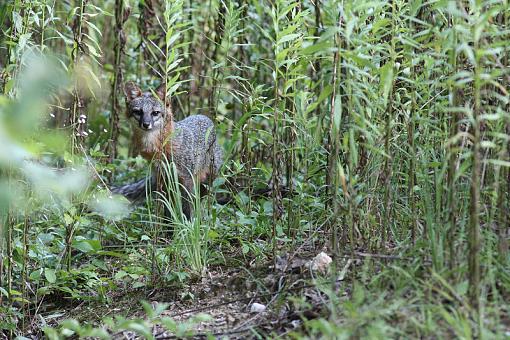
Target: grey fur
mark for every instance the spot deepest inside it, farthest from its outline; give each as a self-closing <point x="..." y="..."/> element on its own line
<point x="193" y="144"/>
<point x="135" y="192"/>
<point x="195" y="147"/>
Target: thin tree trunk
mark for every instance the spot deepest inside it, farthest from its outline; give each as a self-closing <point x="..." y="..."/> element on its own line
<point x="119" y="44"/>
<point x="474" y="219"/>
<point x="334" y="145"/>
<point x="452" y="168"/>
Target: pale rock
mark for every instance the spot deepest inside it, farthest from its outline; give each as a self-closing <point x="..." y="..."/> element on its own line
<point x="321" y="262"/>
<point x="257" y="308"/>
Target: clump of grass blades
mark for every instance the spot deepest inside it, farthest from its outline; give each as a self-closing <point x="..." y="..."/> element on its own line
<point x="190" y="235"/>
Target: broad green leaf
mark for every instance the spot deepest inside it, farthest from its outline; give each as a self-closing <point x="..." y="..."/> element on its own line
<point x="386" y="82"/>
<point x="50" y="276"/>
<point x="87" y="246"/>
<point x="288" y="37"/>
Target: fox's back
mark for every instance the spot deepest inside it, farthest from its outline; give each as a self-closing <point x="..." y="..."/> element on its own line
<point x="194" y="146"/>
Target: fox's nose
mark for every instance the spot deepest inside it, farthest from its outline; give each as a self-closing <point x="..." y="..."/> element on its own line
<point x="146" y="125"/>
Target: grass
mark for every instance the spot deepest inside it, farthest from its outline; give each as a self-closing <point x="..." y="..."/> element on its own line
<point x="381" y="129"/>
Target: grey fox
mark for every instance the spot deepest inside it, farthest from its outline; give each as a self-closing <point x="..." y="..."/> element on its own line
<point x="190" y="143"/>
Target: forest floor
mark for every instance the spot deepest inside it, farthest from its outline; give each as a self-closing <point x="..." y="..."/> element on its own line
<point x="226" y="295"/>
<point x="249" y="297"/>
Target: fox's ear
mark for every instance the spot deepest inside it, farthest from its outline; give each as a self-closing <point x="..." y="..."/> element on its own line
<point x="161" y="91"/>
<point x="131" y="90"/>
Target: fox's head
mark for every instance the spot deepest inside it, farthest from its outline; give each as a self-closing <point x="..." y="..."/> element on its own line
<point x="146" y="109"/>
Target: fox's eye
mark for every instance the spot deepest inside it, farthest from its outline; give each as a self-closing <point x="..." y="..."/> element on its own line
<point x="155" y="113"/>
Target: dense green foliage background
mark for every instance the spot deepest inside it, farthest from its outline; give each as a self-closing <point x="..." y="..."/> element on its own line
<point x="382" y="129"/>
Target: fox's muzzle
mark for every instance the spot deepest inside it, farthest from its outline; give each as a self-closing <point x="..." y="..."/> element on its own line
<point x="145" y="124"/>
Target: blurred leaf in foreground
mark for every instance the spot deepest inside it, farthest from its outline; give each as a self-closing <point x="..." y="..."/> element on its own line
<point x="110" y="207"/>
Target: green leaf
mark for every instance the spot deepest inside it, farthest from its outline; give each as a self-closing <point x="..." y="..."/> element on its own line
<point x="68" y="219"/>
<point x="94" y="27"/>
<point x="138" y="284"/>
<point x="87" y="246"/>
<point x="325" y="93"/>
<point x="35" y="275"/>
<point x="288" y="37"/>
<point x="71" y="324"/>
<point x="337" y="113"/>
<point x="498" y="162"/>
<point x="322" y="46"/>
<point x="9" y="85"/>
<point x="138" y="327"/>
<point x="50" y="276"/>
<point x="51" y="333"/>
<point x="120" y="274"/>
<point x="18" y="21"/>
<point x="386" y="83"/>
<point x="169" y="324"/>
<point x="245" y="249"/>
<point x="379" y="24"/>
<point x="4" y="292"/>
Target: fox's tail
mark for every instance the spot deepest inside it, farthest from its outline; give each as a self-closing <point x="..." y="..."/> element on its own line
<point x="136" y="191"/>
